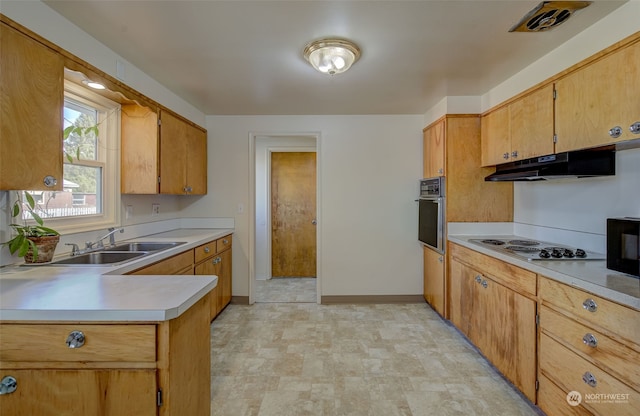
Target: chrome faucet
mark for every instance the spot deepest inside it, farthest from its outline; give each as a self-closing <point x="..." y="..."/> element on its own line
<point x="99" y="244"/>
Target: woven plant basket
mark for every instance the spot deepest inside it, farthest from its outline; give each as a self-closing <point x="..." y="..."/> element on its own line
<point x="46" y="247"/>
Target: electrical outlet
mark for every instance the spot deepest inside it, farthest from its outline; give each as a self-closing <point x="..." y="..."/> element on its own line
<point x="155" y="209"/>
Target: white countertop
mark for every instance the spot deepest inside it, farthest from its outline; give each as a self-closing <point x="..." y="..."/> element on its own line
<point x="104" y="293"/>
<point x="590" y="275"/>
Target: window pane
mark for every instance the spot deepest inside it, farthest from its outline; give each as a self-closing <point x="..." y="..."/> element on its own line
<point x="82" y="194"/>
<point x="81" y="142"/>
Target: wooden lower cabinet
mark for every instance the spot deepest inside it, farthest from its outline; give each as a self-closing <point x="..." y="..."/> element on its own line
<point x="81" y="392"/>
<point x="156" y="368"/>
<point x="433" y="279"/>
<point x="587" y="345"/>
<point x="179" y="264"/>
<point x="498" y="320"/>
<point x="214" y="258"/>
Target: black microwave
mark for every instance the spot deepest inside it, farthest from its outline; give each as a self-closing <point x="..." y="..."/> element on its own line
<point x="623" y="245"/>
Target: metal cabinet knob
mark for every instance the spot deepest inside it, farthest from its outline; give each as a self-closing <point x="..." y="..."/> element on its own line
<point x="75" y="339"/>
<point x="314" y="221"/>
<point x="590" y="305"/>
<point x="590" y="340"/>
<point x="478" y="278"/>
<point x="206" y="249"/>
<point x="505" y="155"/>
<point x="440" y="259"/>
<point x="589" y="379"/>
<point x="216" y="260"/>
<point x="49" y="181"/>
<point x="8" y="385"/>
<point x="225" y="241"/>
<point x="514" y="153"/>
<point x="484" y="284"/>
<point x="635" y="128"/>
<point x="615" y="132"/>
<point x="440" y="171"/>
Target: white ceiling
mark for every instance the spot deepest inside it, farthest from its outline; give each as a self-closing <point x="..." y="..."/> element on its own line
<point x="245" y="57"/>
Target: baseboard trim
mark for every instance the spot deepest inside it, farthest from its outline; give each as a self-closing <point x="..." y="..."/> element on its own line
<point x="240" y="300"/>
<point x="362" y="299"/>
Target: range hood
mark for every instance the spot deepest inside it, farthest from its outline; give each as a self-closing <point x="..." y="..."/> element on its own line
<point x="576" y="164"/>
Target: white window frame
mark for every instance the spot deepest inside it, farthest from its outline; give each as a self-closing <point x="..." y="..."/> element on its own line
<point x="109" y="142"/>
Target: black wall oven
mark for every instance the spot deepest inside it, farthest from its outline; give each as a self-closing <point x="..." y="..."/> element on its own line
<point x="431" y="213"/>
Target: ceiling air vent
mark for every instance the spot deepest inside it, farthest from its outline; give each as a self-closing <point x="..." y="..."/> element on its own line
<point x="547" y="15"/>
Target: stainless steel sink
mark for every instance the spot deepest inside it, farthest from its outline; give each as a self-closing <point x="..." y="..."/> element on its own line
<point x="98" y="258"/>
<point x="144" y="246"/>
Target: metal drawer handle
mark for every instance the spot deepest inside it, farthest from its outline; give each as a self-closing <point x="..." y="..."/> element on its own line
<point x="590" y="305"/>
<point x="478" y="278"/>
<point x="589" y="379"/>
<point x="8" y="385"/>
<point x="75" y="339"/>
<point x="615" y="132"/>
<point x="206" y="249"/>
<point x="590" y="340"/>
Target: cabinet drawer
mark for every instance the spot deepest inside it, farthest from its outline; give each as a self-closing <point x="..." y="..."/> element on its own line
<point x="172" y="265"/>
<point x="553" y="400"/>
<point x="102" y="343"/>
<point x="223" y="243"/>
<point x="607" y="353"/>
<point x="205" y="250"/>
<point x="619" y="322"/>
<point x="520" y="280"/>
<point x="567" y="369"/>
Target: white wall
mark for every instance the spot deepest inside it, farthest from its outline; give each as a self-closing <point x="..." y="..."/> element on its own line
<point x="263" y="146"/>
<point x="368" y="169"/>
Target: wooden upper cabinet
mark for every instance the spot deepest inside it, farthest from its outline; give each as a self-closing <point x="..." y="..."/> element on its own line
<point x="495" y="138"/>
<point x="196" y="160"/>
<point x="519" y="130"/>
<point x="597" y="98"/>
<point x="161" y="153"/>
<point x="183" y="157"/>
<point x="32" y="97"/>
<point x="531" y="124"/>
<point x="434" y="150"/>
<point x="139" y="146"/>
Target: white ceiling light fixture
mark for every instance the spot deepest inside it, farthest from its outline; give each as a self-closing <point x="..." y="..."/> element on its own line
<point x="332" y="55"/>
<point x="93" y="84"/>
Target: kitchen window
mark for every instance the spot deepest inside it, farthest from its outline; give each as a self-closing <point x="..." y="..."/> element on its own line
<point x="90" y="198"/>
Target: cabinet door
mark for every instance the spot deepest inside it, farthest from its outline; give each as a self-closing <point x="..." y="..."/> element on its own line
<point x="463" y="307"/>
<point x="531" y="124"/>
<point x="434" y="290"/>
<point x="225" y="290"/>
<point x="173" y="154"/>
<point x="139" y="137"/>
<point x="81" y="392"/>
<point x="210" y="267"/>
<point x="495" y="137"/>
<point x="509" y="336"/>
<point x="31" y="96"/>
<point x="434" y="150"/>
<point x="196" y="161"/>
<point x="598" y="97"/>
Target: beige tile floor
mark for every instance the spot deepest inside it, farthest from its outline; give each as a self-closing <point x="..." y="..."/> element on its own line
<point x="286" y="289"/>
<point x="279" y="359"/>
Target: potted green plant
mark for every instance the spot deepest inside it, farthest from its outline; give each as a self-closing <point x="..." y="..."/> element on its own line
<point x="36" y="243"/>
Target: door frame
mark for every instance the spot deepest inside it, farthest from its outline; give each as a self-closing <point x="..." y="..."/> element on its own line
<point x="252" y="200"/>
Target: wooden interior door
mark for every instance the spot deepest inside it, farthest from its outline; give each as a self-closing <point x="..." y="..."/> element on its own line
<point x="293" y="213"/>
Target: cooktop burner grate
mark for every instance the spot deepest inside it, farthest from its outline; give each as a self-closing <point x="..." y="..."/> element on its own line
<point x="524" y="242"/>
<point x="494" y="242"/>
<point x="523" y="249"/>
